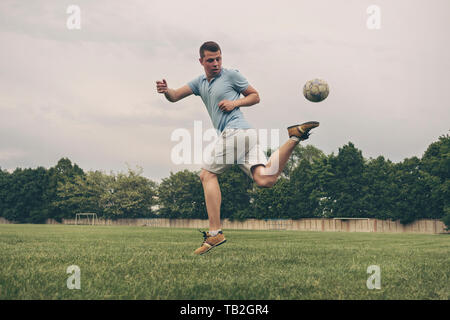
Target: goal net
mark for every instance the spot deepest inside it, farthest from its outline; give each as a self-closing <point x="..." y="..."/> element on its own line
<point x="86" y="218"/>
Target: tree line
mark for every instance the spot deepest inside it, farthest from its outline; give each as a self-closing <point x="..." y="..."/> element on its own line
<point x="313" y="185"/>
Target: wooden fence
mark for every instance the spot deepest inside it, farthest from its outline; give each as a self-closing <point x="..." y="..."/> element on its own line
<point x="326" y="225"/>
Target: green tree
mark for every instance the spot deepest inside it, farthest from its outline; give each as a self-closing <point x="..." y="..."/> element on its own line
<point x="110" y="196"/>
<point x="24" y="199"/>
<point x="181" y="196"/>
<point x="436" y="159"/>
<point x="312" y="185"/>
<point x="270" y="203"/>
<point x="130" y="195"/>
<point x="344" y="190"/>
<point x="234" y="187"/>
<point x="292" y="196"/>
<point x="414" y="198"/>
<point x="288" y="198"/>
<point x="436" y="162"/>
<point x="5" y="176"/>
<point x="379" y="189"/>
<point x="322" y="176"/>
<point x="308" y="153"/>
<point x="64" y="172"/>
<point x="86" y="193"/>
<point x="307" y="189"/>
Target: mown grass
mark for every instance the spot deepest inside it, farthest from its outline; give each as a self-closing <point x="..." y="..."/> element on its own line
<point x="158" y="263"/>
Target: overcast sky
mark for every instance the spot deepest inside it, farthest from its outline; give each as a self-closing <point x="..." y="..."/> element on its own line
<point x="89" y="94"/>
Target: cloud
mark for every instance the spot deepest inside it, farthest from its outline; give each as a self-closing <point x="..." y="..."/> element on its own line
<point x="90" y="94"/>
<point x="11" y="154"/>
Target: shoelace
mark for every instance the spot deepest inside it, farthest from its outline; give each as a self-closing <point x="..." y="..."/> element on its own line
<point x="307" y="134"/>
<point x="304" y="134"/>
<point x="205" y="235"/>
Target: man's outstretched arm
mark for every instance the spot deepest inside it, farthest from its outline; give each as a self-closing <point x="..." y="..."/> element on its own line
<point x="171" y="94"/>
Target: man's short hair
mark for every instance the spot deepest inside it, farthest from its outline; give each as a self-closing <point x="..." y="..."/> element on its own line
<point x="209" y="46"/>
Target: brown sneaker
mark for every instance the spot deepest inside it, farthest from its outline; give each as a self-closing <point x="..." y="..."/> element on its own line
<point x="210" y="242"/>
<point x="302" y="130"/>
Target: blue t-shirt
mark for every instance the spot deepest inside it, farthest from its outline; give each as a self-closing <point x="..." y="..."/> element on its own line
<point x="227" y="85"/>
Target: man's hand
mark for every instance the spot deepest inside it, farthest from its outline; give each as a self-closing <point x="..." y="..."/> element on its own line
<point x="251" y="97"/>
<point x="226" y="105"/>
<point x="171" y="94"/>
<point x="161" y="86"/>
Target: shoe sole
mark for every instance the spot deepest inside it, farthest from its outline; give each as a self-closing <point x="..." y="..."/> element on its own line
<point x="214" y="247"/>
<point x="309" y="122"/>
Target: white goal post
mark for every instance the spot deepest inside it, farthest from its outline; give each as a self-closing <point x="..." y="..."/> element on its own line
<point x="90" y="216"/>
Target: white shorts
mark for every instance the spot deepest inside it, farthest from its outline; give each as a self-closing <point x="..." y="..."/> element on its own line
<point x="235" y="146"/>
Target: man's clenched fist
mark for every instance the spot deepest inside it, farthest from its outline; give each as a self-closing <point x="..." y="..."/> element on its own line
<point x="226" y="105"/>
<point x="161" y="86"/>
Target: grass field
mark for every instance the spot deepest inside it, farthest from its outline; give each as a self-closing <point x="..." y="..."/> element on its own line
<point x="158" y="263"/>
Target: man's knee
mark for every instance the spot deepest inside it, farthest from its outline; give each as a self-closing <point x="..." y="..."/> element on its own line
<point x="265" y="181"/>
<point x="261" y="178"/>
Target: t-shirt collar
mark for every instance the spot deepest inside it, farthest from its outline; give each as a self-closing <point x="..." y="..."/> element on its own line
<point x="212" y="79"/>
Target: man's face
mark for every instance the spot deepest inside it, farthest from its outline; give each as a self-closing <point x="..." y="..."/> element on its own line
<point x="212" y="62"/>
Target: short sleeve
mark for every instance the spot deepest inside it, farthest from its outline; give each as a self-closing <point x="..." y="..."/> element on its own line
<point x="194" y="85"/>
<point x="238" y="81"/>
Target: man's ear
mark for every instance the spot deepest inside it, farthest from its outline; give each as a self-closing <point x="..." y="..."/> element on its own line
<point x="201" y="61"/>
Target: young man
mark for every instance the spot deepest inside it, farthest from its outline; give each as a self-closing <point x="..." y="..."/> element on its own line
<point x="220" y="90"/>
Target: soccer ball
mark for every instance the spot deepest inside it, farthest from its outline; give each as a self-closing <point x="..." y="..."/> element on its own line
<point x="316" y="90"/>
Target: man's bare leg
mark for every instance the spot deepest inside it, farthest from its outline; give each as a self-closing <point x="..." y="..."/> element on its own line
<point x="213" y="198"/>
<point x="268" y="175"/>
<point x="279" y="158"/>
